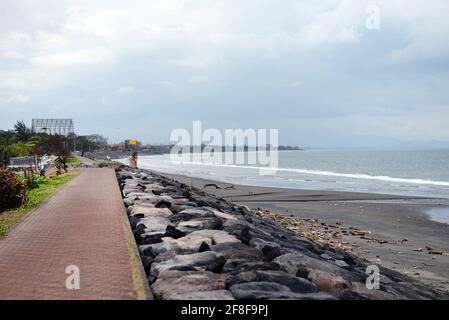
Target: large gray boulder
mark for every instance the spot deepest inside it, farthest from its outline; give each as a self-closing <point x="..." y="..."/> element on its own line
<point x="151" y="226"/>
<point x="157" y="188"/>
<point x="141" y="196"/>
<point x="199" y="224"/>
<point x="182" y="202"/>
<point x="208" y="261"/>
<point x="176" y="209"/>
<point x="291" y="262"/>
<point x="184" y="245"/>
<point x="236" y="266"/>
<point x="224" y="216"/>
<point x="151" y="237"/>
<point x="156" y="223"/>
<point x="295" y="284"/>
<point x="359" y="291"/>
<point x="173" y="283"/>
<point x="203" y="295"/>
<point x="150" y="210"/>
<point x="194" y="213"/>
<point x="329" y="282"/>
<point x="271" y="250"/>
<point x="238" y="250"/>
<point x="238" y="228"/>
<point x="272" y="290"/>
<point x="217" y="236"/>
<point x="129" y="191"/>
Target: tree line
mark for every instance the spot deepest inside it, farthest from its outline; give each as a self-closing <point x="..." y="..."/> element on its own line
<point x="21" y="141"/>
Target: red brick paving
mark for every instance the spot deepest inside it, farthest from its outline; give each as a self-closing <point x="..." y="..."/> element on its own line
<point x="80" y="225"/>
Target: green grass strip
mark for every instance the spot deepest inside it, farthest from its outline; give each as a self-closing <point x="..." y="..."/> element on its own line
<point x="36" y="197"/>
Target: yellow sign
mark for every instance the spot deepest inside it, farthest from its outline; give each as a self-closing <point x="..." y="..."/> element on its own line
<point x="132" y="142"/>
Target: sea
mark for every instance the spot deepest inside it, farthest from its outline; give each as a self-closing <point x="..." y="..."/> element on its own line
<point x="413" y="173"/>
<point x="422" y="173"/>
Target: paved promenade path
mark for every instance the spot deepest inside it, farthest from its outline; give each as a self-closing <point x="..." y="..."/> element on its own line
<point x="85" y="160"/>
<point x="82" y="225"/>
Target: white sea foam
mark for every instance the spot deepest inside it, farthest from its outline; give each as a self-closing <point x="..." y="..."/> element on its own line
<point x="326" y="173"/>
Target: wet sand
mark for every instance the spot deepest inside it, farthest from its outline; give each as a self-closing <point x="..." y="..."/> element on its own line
<point x="400" y="237"/>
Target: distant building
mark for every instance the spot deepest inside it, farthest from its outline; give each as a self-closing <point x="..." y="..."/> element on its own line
<point x="21" y="162"/>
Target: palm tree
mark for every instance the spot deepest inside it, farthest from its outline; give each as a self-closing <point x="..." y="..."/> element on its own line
<point x="23" y="133"/>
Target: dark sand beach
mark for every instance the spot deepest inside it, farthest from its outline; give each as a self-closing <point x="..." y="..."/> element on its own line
<point x="394" y="231"/>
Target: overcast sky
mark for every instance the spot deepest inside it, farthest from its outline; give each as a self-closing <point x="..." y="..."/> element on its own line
<point x="312" y="69"/>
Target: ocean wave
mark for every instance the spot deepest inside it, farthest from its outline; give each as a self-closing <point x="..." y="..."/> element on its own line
<point x="367" y="176"/>
<point x="416" y="181"/>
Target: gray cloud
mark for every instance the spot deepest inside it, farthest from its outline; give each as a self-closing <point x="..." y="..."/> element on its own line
<point x="313" y="70"/>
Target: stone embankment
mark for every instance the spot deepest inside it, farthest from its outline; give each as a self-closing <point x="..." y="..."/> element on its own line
<point x="197" y="246"/>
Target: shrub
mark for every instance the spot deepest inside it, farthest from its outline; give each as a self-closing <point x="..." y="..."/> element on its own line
<point x="37" y="181"/>
<point x="32" y="181"/>
<point x="13" y="192"/>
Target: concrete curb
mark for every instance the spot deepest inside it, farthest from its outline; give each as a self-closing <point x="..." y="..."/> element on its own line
<point x="139" y="276"/>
